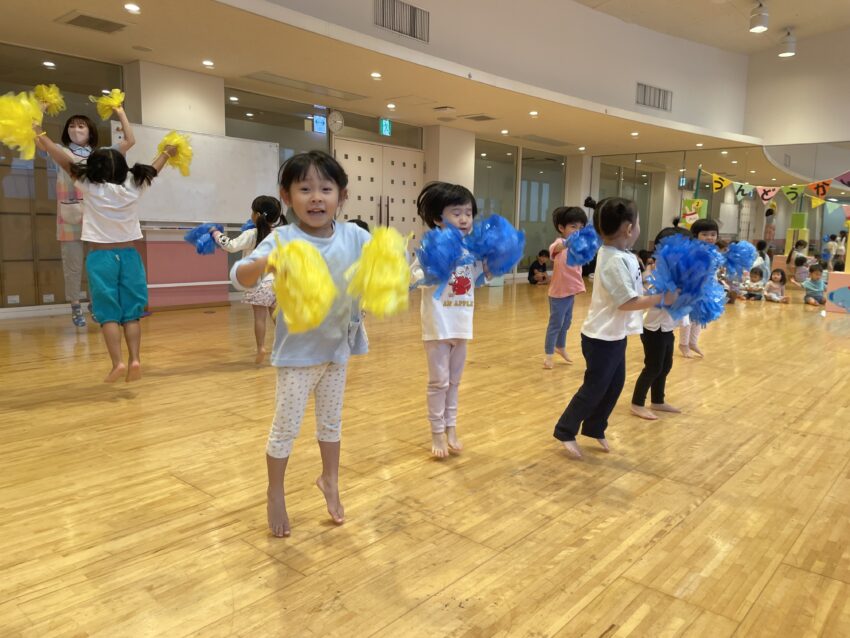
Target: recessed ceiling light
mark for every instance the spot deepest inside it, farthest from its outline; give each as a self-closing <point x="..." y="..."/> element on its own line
<point x="646" y="183"/>
<point x="49" y="64"/>
<point x="724" y="152"/>
<point x="208" y="63"/>
<point x="489" y="167"/>
<point x="105" y="91"/>
<point x="682" y="170"/>
<point x="508" y="154"/>
<point x="133" y="8"/>
<point x="582" y="148"/>
<point x="699" y="144"/>
<point x="772" y="179"/>
<point x="391" y="106"/>
<point x="505" y="131"/>
<point x="233" y="98"/>
<point x="832" y="199"/>
<point x="541" y="172"/>
<point x="752" y="172"/>
<point x="634" y="133"/>
<point x="734" y="161"/>
<point x="309" y="117"/>
<point x="375" y="75"/>
<point x="533" y="113"/>
<point x="759" y="18"/>
<point x="249" y="115"/>
<point x="483" y="154"/>
<point x="644" y="175"/>
<point x="638" y="161"/>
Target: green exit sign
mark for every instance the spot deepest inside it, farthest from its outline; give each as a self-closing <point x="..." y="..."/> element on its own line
<point x="386" y="127"/>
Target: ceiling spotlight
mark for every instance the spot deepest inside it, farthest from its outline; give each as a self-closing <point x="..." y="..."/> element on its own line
<point x="133" y="8"/>
<point x="49" y="64"/>
<point x="832" y="199"/>
<point x="759" y="18"/>
<point x="533" y="113"/>
<point x="505" y="131"/>
<point x="391" y="106"/>
<point x="789" y="45"/>
<point x="541" y="172"/>
<point x="508" y="154"/>
<point x="489" y="167"/>
<point x="734" y="161"/>
<point x="699" y="144"/>
<point x="638" y="161"/>
<point x="309" y="117"/>
<point x="643" y="175"/>
<point x="208" y="63"/>
<point x="724" y="152"/>
<point x="634" y="133"/>
<point x="249" y="115"/>
<point x="772" y="179"/>
<point x="375" y="75"/>
<point x="752" y="172"/>
<point x="483" y="154"/>
<point x="233" y="98"/>
<point x="682" y="170"/>
<point x="582" y="148"/>
<point x="105" y="91"/>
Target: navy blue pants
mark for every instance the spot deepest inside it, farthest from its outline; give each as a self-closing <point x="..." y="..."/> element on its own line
<point x="595" y="400"/>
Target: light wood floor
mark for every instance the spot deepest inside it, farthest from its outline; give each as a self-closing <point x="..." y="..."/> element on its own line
<point x="139" y="510"/>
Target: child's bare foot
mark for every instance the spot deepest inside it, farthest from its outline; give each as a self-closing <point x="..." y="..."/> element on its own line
<point x="572" y="449"/>
<point x="331" y="493"/>
<point x="134" y="372"/>
<point x="564" y="355"/>
<point x="665" y="407"/>
<point x="685" y="350"/>
<point x="276" y="510"/>
<point x="603" y="442"/>
<point x="438" y="445"/>
<point x="697" y="351"/>
<point x="118" y="371"/>
<point x="785" y="300"/>
<point x="454" y="443"/>
<point x="261" y="356"/>
<point x="643" y="413"/>
<point x="547" y="362"/>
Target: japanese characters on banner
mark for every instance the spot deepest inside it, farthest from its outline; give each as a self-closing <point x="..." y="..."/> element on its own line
<point x="815" y="191"/>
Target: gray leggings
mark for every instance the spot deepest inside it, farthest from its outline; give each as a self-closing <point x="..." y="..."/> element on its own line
<point x="72" y="268"/>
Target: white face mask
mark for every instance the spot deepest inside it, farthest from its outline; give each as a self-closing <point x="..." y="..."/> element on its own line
<point x="79" y="136"/>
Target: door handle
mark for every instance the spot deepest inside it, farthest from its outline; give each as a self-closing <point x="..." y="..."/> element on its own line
<point x="380" y="208"/>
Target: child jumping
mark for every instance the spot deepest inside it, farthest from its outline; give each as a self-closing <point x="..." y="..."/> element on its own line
<point x="314" y="362"/>
<point x="614" y="314"/>
<point x="566" y="283"/>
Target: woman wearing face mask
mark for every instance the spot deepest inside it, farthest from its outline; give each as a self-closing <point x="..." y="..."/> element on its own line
<point x="79" y="138"/>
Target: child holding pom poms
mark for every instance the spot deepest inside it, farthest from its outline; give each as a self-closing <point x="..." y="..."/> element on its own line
<point x="614" y="314"/>
<point x="110" y="226"/>
<point x="702" y="230"/>
<point x="265" y="216"/>
<point x="566" y="283"/>
<point x="446" y="313"/>
<point x="310" y="359"/>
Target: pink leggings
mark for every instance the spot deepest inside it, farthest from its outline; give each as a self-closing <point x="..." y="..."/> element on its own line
<point x="445" y="367"/>
<point x="689" y="334"/>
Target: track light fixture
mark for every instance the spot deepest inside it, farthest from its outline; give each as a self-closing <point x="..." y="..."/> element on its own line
<point x="789" y="44"/>
<point x="759" y="18"/>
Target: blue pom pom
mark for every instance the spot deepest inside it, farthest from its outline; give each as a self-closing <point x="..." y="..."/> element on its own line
<point x="440" y="252"/>
<point x="200" y="238"/>
<point x="739" y="258"/>
<point x="582" y="246"/>
<point x="497" y="243"/>
<point x="687" y="266"/>
<point x="247" y="226"/>
<point x="711" y="304"/>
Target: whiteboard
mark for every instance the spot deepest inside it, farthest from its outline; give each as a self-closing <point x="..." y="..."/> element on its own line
<point x="226" y="174"/>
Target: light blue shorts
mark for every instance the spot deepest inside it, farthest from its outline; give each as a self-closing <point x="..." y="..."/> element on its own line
<point x="117" y="284"/>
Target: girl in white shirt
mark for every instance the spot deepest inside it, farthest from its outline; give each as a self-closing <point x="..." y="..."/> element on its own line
<point x="446" y="320"/>
<point x="614" y="314"/>
<point x="116" y="275"/>
<point x="265" y="214"/>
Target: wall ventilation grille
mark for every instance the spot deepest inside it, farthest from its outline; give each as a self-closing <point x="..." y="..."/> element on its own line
<point x="403" y="18"/>
<point x="654" y="98"/>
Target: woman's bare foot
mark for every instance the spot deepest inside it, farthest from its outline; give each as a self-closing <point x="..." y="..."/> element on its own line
<point x="454" y="443"/>
<point x="643" y="413"/>
<point x="261" y="356"/>
<point x="697" y="351"/>
<point x="572" y="449"/>
<point x="331" y="492"/>
<point x="665" y="407"/>
<point x="438" y="445"/>
<point x="685" y="350"/>
<point x="117" y="372"/>
<point x="276" y="510"/>
<point x="603" y="443"/>
<point x="564" y="355"/>
<point x="547" y="362"/>
<point x="134" y="372"/>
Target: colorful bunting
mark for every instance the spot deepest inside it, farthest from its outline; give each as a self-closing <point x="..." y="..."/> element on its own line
<point x="793" y="193"/>
<point x="844" y="179"/>
<point x="817" y="202"/>
<point x="846" y="208"/>
<point x="766" y="193"/>
<point x="719" y="182"/>
<point x="820" y="188"/>
<point x="742" y="190"/>
<point x="831" y="207"/>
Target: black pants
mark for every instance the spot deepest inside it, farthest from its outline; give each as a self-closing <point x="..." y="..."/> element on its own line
<point x="595" y="400"/>
<point x="657" y="362"/>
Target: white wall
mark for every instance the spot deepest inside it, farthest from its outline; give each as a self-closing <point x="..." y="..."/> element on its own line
<point x="802" y="99"/>
<point x="173" y="98"/>
<point x="561" y="46"/>
<point x="449" y="155"/>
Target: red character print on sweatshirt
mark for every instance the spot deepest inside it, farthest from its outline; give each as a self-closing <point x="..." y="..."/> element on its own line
<point x="460" y="285"/>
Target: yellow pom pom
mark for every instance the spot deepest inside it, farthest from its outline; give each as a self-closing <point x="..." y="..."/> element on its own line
<point x="381" y="276"/>
<point x="303" y="285"/>
<point x="183" y="157"/>
<point x="108" y="103"/>
<point x="18" y="113"/>
<point x="51" y="97"/>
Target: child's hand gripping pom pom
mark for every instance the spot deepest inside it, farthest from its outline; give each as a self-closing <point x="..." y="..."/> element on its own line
<point x="380" y="277"/>
<point x="582" y="246"/>
<point x="303" y="285"/>
<point x="182" y="157"/>
<point x="18" y="114"/>
<point x="497" y="243"/>
<point x="51" y="97"/>
<point x="201" y="239"/>
<point x="738" y="258"/>
<point x="440" y="252"/>
<point x="106" y="104"/>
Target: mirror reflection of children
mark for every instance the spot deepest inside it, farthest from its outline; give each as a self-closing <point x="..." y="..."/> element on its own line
<point x="537" y="271"/>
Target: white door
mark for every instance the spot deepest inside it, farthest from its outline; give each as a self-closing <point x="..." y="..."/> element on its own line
<point x="383" y="184"/>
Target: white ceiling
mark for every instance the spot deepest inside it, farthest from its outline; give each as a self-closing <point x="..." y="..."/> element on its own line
<point x="725" y="23"/>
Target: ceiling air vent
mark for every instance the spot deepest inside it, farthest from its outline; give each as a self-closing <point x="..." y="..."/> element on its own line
<point x="403" y="18"/>
<point x="84" y="21"/>
<point x="478" y="118"/>
<point x="654" y="98"/>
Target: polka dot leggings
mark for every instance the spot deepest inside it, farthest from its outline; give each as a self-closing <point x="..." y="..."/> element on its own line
<point x="294" y="386"/>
